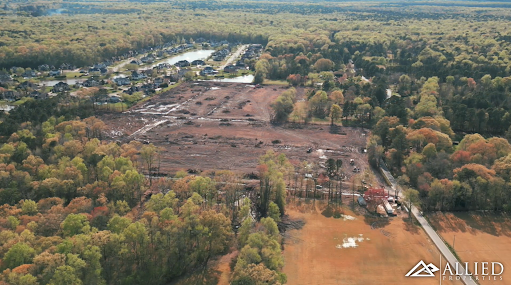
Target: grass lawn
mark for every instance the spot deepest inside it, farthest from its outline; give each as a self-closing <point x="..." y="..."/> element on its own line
<point x="275" y="82"/>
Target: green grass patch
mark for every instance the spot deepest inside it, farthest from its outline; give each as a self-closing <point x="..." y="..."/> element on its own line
<point x="73" y="74"/>
<point x="22" y="101"/>
<point x="275" y="82"/>
<point x="113" y="107"/>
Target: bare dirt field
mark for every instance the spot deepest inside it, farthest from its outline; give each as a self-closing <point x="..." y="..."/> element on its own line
<point x="363" y="250"/>
<point x="213" y="125"/>
<point x="480" y="237"/>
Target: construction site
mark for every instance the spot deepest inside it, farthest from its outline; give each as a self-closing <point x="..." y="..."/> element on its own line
<point x="210" y="125"/>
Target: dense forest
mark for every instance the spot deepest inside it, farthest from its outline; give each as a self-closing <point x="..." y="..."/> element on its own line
<point x="78" y="210"/>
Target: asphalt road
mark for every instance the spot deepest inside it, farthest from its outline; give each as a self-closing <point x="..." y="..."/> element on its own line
<point x="441" y="246"/>
<point x="433" y="235"/>
<point x="234" y="56"/>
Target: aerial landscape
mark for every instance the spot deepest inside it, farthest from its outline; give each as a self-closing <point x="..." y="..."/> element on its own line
<point x="255" y="142"/>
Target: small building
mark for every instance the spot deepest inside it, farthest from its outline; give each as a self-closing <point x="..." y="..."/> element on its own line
<point x="60" y="87"/>
<point x="114" y="99"/>
<point x="135" y="75"/>
<point x="231" y="69"/>
<point x="198" y="62"/>
<point x="147" y="59"/>
<point x="43" y="67"/>
<point x="182" y="63"/>
<point x="158" y="81"/>
<point x="208" y="70"/>
<point x="29" y="74"/>
<point x="38" y="95"/>
<point x="27" y="85"/>
<point x="5" y="78"/>
<point x="54" y="73"/>
<point x="91" y="82"/>
<point x="11" y="95"/>
<point x="122" y="81"/>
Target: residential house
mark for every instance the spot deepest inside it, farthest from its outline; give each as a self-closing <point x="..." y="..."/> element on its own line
<point x="67" y="66"/>
<point x="231" y="69"/>
<point x="132" y="90"/>
<point x="208" y="70"/>
<point x="149" y="87"/>
<point x="54" y="73"/>
<point x="4" y="77"/>
<point x="43" y="67"/>
<point x="198" y="62"/>
<point x="60" y="87"/>
<point x="163" y="66"/>
<point x="91" y="82"/>
<point x="180" y="74"/>
<point x="27" y="85"/>
<point x="158" y="81"/>
<point x="38" y="95"/>
<point x="11" y="95"/>
<point x="100" y="65"/>
<point x="220" y="55"/>
<point x="147" y="59"/>
<point x="122" y="81"/>
<point x="29" y="73"/>
<point x="135" y="75"/>
<point x="114" y="99"/>
<point x="182" y="63"/>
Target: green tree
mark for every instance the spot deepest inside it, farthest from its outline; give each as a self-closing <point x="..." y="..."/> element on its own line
<point x="159" y="201"/>
<point x="74" y="224"/>
<point x="274" y="212"/>
<point x="335" y="113"/>
<point x="65" y="275"/>
<point x="18" y="254"/>
<point x="29" y="207"/>
<point x="411" y="198"/>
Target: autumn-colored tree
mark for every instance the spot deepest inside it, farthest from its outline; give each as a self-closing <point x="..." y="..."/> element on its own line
<point x="323" y="64"/>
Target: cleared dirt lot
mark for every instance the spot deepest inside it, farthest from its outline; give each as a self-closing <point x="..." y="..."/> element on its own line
<point x="322" y="252"/>
<point x="213" y="125"/>
<point x="480" y="237"/>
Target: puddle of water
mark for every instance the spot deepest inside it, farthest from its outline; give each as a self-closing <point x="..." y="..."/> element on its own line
<point x="348" y="218"/>
<point x="351" y="242"/>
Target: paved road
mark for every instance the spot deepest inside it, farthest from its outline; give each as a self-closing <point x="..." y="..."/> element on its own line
<point x="433" y="235"/>
<point x="234" y="56"/>
<point x="441" y="246"/>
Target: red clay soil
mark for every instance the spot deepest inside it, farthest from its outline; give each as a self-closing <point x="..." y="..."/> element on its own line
<point x="211" y="125"/>
<point x="315" y="255"/>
